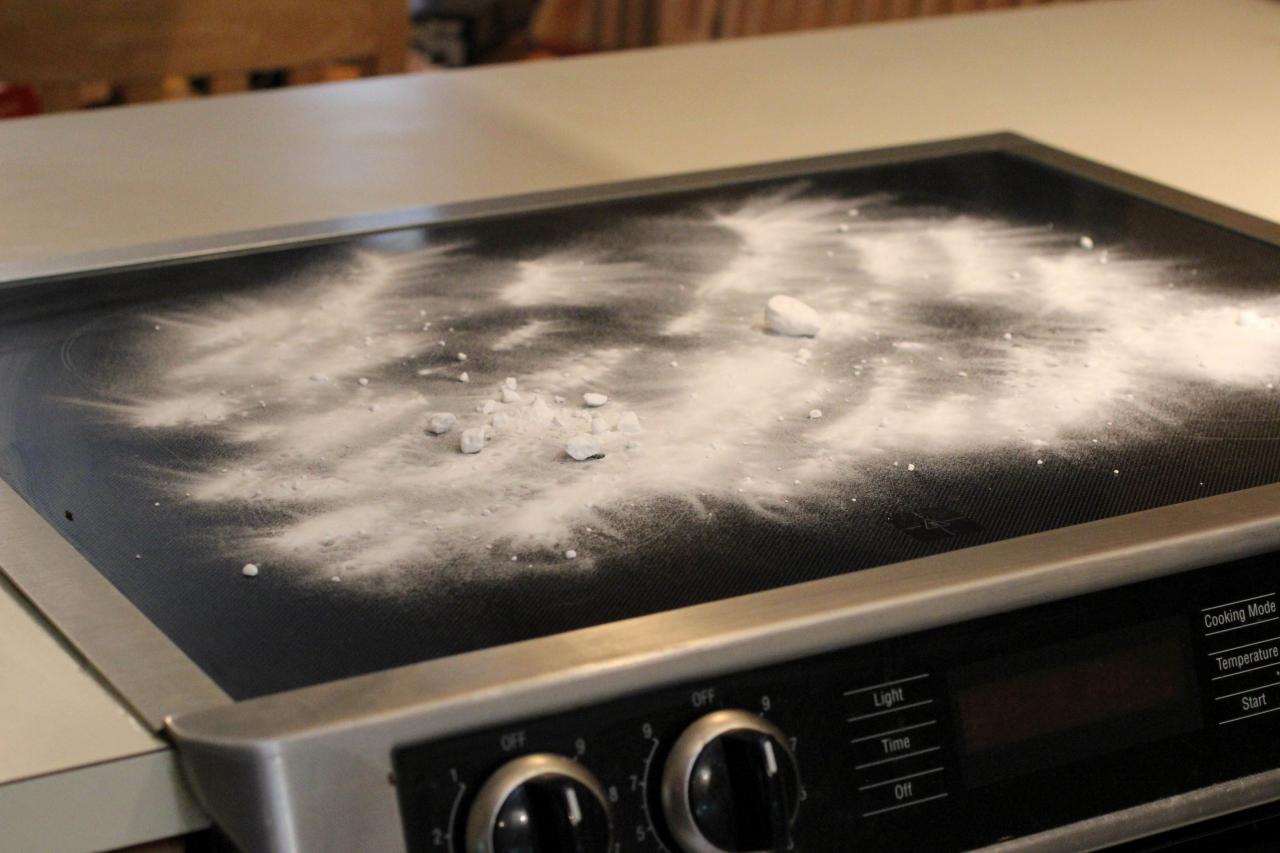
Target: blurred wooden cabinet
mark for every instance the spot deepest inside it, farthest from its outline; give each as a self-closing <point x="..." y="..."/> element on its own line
<point x="141" y="46"/>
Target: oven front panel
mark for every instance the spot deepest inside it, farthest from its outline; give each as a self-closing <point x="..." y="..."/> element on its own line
<point x="948" y="739"/>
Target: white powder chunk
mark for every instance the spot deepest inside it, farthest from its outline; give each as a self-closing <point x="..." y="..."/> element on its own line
<point x="599" y="426"/>
<point x="785" y="315"/>
<point x="510" y="382"/>
<point x="249" y="570"/>
<point x="570" y="554"/>
<point x="464" y="377"/>
<point x="1086" y="242"/>
<point x="911" y="466"/>
<point x="1008" y="336"/>
<point x="594" y="400"/>
<point x="583" y="446"/>
<point x="363" y="381"/>
<point x="629" y="423"/>
<point x="462" y="356"/>
<point x="472" y="440"/>
<point x="814" y="414"/>
<point x="488" y="407"/>
<point x="441" y="422"/>
<point x="509" y="396"/>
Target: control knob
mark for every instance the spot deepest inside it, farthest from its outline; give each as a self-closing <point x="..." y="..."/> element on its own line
<point x="539" y="804"/>
<point x="730" y="785"/>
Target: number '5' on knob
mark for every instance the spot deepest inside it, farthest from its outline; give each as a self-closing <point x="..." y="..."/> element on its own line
<point x="730" y="785"/>
<point x="539" y="804"/>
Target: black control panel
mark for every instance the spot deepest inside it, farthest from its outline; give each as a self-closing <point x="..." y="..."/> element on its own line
<point x="951" y="738"/>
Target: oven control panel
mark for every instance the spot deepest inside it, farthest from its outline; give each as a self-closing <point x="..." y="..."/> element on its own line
<point x="952" y="738"/>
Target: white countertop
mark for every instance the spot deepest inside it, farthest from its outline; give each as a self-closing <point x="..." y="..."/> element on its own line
<point x="1185" y="92"/>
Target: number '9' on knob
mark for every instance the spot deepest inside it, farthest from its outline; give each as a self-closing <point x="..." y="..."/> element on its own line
<point x="539" y="804"/>
<point x="730" y="785"/>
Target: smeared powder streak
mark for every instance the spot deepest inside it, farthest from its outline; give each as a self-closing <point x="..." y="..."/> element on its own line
<point x="575" y="280"/>
<point x="523" y="335"/>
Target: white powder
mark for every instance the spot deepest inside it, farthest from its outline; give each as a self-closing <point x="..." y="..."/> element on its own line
<point x="1086" y="242"/>
<point x="441" y="422"/>
<point x="814" y="414"/>
<point x="362" y="492"/>
<point x="473" y="440"/>
<point x="249" y="570"/>
<point x="786" y="315"/>
<point x="583" y="446"/>
<point x="594" y="400"/>
<point x="464" y="377"/>
<point x="570" y="554"/>
<point x="509" y="395"/>
<point x="629" y="423"/>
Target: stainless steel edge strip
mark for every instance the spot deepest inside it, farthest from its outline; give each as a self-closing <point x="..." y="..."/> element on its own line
<point x="344" y="731"/>
<point x="192" y="248"/>
<point x="1150" y="818"/>
<point x="137" y="660"/>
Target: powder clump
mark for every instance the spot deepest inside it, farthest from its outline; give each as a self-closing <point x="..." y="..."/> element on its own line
<point x="785" y="315"/>
<point x="472" y="440"/>
<point x="441" y="422"/>
<point x="583" y="447"/>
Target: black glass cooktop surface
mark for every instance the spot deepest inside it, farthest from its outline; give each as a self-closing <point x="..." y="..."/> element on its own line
<point x="769" y="382"/>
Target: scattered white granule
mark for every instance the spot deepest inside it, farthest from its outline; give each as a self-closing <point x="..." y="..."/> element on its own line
<point x="599" y="426"/>
<point x="510" y="382"/>
<point x="464" y="377"/>
<point x="853" y="211"/>
<point x="319" y="377"/>
<point x="504" y="421"/>
<point x="249" y="570"/>
<point x="629" y="423"/>
<point x="362" y="381"/>
<point x="570" y="554"/>
<point x="509" y="396"/>
<point x="814" y="414"/>
<point x="1116" y="472"/>
<point x="462" y="356"/>
<point x="157" y="327"/>
<point x="675" y="364"/>
<point x="441" y="422"/>
<point x="594" y="400"/>
<point x="1086" y="242"/>
<point x="787" y="316"/>
<point x="583" y="446"/>
<point x="911" y="466"/>
<point x="1039" y="461"/>
<point x="1008" y="336"/>
<point x="472" y="440"/>
<point x="842" y="228"/>
<point x="488" y="407"/>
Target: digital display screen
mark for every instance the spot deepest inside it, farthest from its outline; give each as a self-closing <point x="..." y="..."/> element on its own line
<point x="1068" y="701"/>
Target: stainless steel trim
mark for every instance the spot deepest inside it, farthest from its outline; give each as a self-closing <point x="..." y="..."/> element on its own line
<point x="1150" y="818"/>
<point x="482" y="819"/>
<point x="259" y="754"/>
<point x="139" y="662"/>
<point x="256" y="240"/>
<point x="678" y="771"/>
